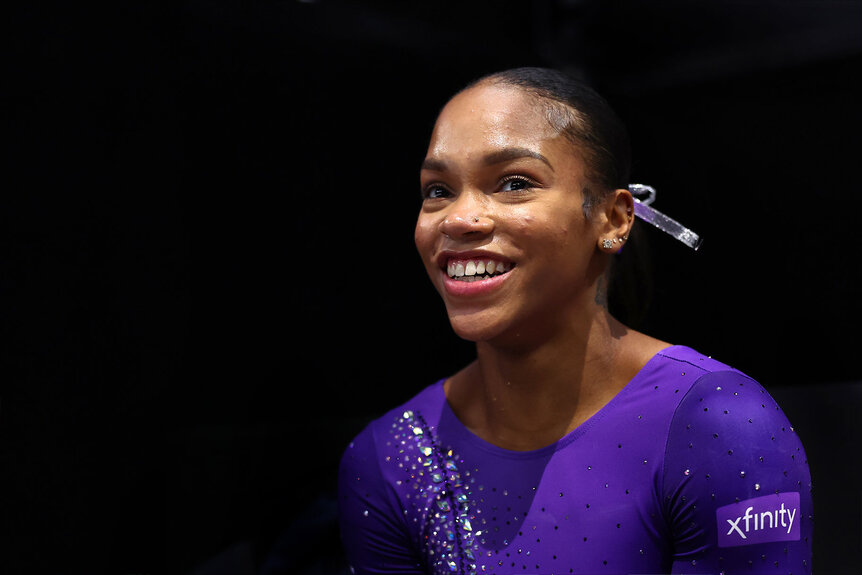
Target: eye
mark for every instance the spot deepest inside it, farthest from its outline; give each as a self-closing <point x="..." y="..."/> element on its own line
<point x="516" y="184"/>
<point x="435" y="191"/>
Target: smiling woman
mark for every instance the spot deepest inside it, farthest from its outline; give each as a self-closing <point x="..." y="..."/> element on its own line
<point x="502" y="182"/>
<point x="572" y="444"/>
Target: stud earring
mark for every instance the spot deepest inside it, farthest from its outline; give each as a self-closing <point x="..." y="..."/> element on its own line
<point x="607" y="244"/>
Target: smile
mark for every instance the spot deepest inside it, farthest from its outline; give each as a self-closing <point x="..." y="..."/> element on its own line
<point x="475" y="270"/>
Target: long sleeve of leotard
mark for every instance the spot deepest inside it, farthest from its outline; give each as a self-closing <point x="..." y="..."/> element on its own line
<point x="736" y="485"/>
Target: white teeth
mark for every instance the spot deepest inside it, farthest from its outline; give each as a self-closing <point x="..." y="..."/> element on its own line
<point x="473" y="268"/>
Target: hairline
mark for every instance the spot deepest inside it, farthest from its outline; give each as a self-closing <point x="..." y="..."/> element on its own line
<point x="566" y="120"/>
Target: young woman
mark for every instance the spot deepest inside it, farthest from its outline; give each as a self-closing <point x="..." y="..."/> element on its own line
<point x="572" y="444"/>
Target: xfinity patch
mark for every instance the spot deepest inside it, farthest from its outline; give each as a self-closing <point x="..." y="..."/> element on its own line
<point x="759" y="520"/>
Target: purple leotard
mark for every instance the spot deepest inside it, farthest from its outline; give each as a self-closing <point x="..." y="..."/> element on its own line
<point x="691" y="468"/>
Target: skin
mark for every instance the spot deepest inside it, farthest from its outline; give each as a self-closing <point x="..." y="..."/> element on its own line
<point x="501" y="182"/>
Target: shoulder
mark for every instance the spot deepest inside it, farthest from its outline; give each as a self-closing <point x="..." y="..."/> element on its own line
<point x="682" y="368"/>
<point x="694" y="376"/>
<point x="727" y="418"/>
<point x="724" y="403"/>
<point x="682" y="357"/>
<point x="665" y="383"/>
<point x="731" y="447"/>
<point x="382" y="434"/>
<point x="373" y="484"/>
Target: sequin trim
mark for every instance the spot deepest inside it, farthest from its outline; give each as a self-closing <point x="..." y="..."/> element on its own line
<point x="441" y="496"/>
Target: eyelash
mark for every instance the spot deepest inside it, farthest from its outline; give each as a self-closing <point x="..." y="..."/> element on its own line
<point x="527" y="182"/>
<point x="427" y="190"/>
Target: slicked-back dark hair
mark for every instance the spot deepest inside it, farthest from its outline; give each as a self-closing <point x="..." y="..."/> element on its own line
<point x="586" y="119"/>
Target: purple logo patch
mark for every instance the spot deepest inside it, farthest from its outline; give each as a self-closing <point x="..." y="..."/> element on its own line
<point x="759" y="520"/>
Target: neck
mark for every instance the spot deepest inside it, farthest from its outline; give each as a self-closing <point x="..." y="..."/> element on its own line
<point x="527" y="398"/>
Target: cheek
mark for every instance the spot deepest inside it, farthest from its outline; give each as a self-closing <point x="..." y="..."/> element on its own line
<point x="523" y="221"/>
<point x="552" y="226"/>
<point x="423" y="235"/>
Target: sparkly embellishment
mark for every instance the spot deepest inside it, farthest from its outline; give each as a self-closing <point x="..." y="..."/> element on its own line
<point x="440" y="499"/>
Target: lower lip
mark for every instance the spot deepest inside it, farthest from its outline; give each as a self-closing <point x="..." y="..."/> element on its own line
<point x="473" y="288"/>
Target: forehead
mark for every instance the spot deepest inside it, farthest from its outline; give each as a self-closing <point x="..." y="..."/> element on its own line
<point x="492" y="116"/>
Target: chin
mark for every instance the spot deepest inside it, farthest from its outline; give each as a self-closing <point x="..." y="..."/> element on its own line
<point x="472" y="335"/>
<point x="471" y="327"/>
<point x="480" y="326"/>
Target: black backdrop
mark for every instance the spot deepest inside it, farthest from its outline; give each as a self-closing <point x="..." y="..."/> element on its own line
<point x="208" y="277"/>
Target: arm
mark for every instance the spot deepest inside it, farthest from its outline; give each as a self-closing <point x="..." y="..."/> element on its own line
<point x="736" y="486"/>
<point x="374" y="536"/>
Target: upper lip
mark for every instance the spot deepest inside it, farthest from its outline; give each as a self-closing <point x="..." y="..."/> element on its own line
<point x="444" y="256"/>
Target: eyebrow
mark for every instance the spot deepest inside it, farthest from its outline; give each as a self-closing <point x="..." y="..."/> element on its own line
<point x="498" y="157"/>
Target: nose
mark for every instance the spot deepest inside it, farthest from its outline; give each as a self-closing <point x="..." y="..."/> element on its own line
<point x="467" y="217"/>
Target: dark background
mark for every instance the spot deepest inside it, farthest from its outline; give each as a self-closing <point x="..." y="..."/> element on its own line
<point x="208" y="277"/>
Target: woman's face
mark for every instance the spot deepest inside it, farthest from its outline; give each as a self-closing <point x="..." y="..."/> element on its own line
<point x="502" y="230"/>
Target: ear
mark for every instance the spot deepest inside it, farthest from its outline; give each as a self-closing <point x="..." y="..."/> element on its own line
<point x="615" y="220"/>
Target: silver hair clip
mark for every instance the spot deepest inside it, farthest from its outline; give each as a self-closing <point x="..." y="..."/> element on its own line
<point x="644" y="211"/>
